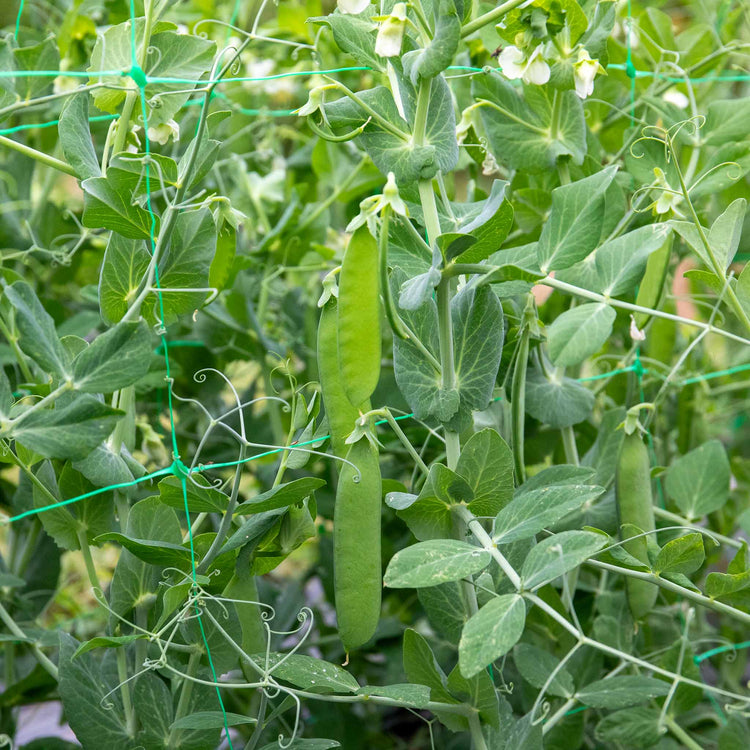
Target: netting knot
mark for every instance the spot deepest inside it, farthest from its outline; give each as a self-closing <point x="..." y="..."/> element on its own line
<point x="630" y="70"/>
<point x="138" y="76"/>
<point x="179" y="469"/>
<point x="637" y="368"/>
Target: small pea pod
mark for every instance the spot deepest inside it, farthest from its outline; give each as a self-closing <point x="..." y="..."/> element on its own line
<point x="652" y="285"/>
<point x="359" y="317"/>
<point x="635" y="508"/>
<point x="340" y="412"/>
<point x="357" y="575"/>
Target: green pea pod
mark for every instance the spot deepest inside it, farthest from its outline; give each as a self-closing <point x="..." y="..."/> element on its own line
<point x="652" y="285"/>
<point x="359" y="317"/>
<point x="635" y="507"/>
<point x="357" y="577"/>
<point x="339" y="410"/>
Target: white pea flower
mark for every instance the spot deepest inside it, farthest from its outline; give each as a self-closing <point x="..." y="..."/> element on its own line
<point x="673" y="96"/>
<point x="465" y="125"/>
<point x="668" y="197"/>
<point x="315" y="101"/>
<point x="532" y="69"/>
<point x="370" y="207"/>
<point x="352" y="6"/>
<point x="584" y="72"/>
<point x="162" y="133"/>
<point x="391" y="32"/>
<point x="636" y="333"/>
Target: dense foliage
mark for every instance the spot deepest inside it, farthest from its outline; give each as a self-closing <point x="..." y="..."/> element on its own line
<point x="372" y="373"/>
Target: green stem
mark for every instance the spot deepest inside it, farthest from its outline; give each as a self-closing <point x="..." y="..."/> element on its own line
<point x="569" y="445"/>
<point x="20" y="357"/>
<point x="132" y="97"/>
<point x="476" y="528"/>
<point x="717" y="268"/>
<point x="127" y="705"/>
<point x="39" y="156"/>
<point x="43" y="660"/>
<point x="694" y="596"/>
<point x="185" y="693"/>
<point x="87" y="558"/>
<point x="394" y="319"/>
<point x="477" y="738"/>
<point x="518" y="405"/>
<point x="680" y="521"/>
<point x="260" y="726"/>
<point x="226" y="520"/>
<point x="586" y="294"/>
<point x="406" y="442"/>
<point x="29" y="546"/>
<point x="48" y="399"/>
<point x="681" y="734"/>
<point x="557" y="617"/>
<point x="490" y="17"/>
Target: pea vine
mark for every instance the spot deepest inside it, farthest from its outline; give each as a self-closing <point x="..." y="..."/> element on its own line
<point x="307" y="308"/>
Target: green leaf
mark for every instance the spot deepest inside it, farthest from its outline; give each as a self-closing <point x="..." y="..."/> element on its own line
<point x="70" y="431"/>
<point x="281" y="496"/>
<point x="6" y="396"/>
<point x="171" y="55"/>
<point x="682" y="555"/>
<point x="621" y="691"/>
<point x="388" y="151"/>
<point x="743" y="289"/>
<point x="433" y="562"/>
<point x="532" y="510"/>
<point x="632" y="727"/>
<point x="150" y="551"/>
<point x="42" y="56"/>
<point x="486" y="463"/>
<point x="724" y="236"/>
<point x="161" y="169"/>
<point x="422" y="668"/>
<point x="558" y="554"/>
<point x="92" y="704"/>
<point x="561" y="402"/>
<point x="212" y="720"/>
<point x="414" y="696"/>
<point x="37" y="336"/>
<point x="186" y="264"/>
<point x="354" y="34"/>
<point x="59" y="523"/>
<point x="490" y="226"/>
<point x="478" y="332"/>
<point x="698" y="482"/>
<point x="491" y="633"/>
<point x="199" y="499"/>
<point x="115" y="359"/>
<point x="430" y="516"/>
<point x="575" y="223"/>
<point x="433" y="59"/>
<point x="75" y="137"/>
<point x="726" y="121"/>
<point x="478" y="691"/>
<point x="580" y="332"/>
<point x="307" y="672"/>
<point x="445" y="608"/>
<point x="620" y="264"/>
<point x="123" y="269"/>
<point x="110" y="203"/>
<point x="725" y="584"/>
<point x="518" y="128"/>
<point x="108" y="641"/>
<point x="537" y="665"/>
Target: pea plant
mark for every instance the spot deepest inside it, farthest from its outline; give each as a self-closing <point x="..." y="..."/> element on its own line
<point x="372" y="374"/>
